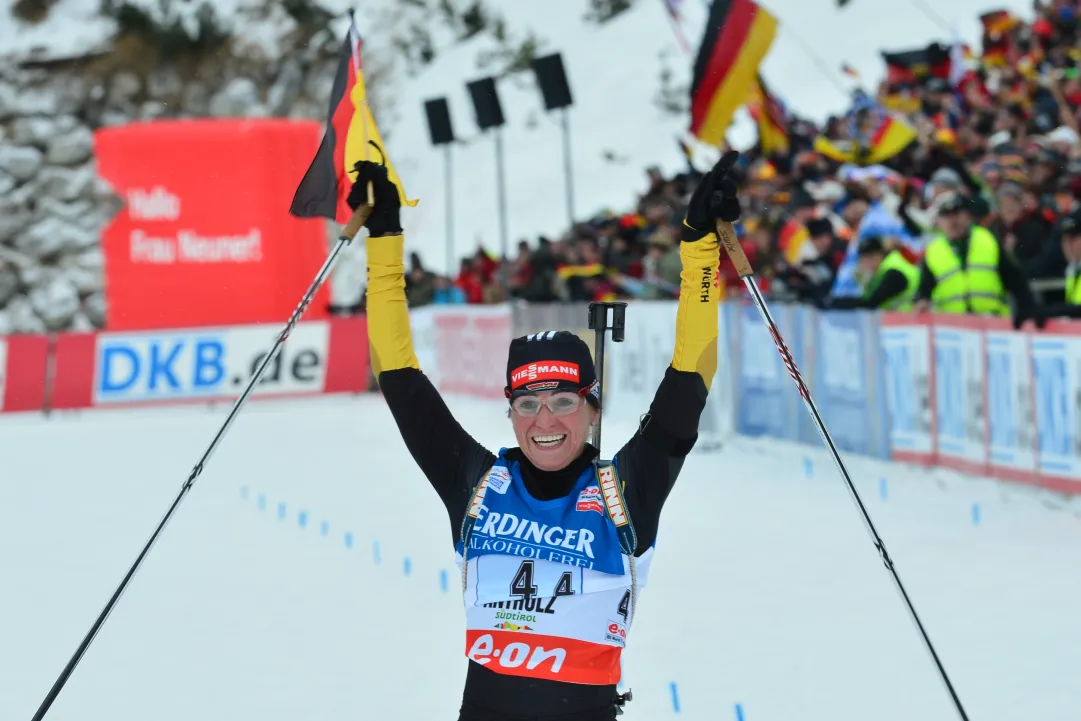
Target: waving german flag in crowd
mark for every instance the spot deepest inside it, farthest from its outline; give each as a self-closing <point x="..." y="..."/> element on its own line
<point x="350" y="127"/>
<point x="771" y="118"/>
<point x="738" y="35"/>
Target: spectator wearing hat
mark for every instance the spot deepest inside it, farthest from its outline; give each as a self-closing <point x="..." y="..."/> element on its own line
<point x="966" y="270"/>
<point x="1022" y="231"/>
<point x="891" y="279"/>
<point x="1070" y="232"/>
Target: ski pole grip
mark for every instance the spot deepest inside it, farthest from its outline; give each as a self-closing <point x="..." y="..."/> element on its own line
<point x="360" y="216"/>
<point x="727" y="235"/>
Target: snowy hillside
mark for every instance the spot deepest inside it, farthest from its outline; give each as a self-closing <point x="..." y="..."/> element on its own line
<point x="615" y="71"/>
<point x="617" y="129"/>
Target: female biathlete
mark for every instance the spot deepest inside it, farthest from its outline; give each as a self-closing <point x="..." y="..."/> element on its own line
<point x="553" y="544"/>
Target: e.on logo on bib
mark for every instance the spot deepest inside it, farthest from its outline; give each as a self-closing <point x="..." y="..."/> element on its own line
<point x="520" y="653"/>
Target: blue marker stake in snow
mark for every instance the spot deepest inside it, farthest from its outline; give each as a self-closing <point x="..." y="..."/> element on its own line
<point x="808" y="467"/>
<point x="739" y="712"/>
<point x="375" y="552"/>
<point x="443" y="580"/>
<point x="407" y="566"/>
<point x="281" y="511"/>
<point x="323" y="528"/>
<point x="244" y="492"/>
<point x="882" y="488"/>
<point x="675" y="696"/>
<point x="302" y="518"/>
<point x="261" y="502"/>
<point x="975" y="514"/>
<point x="348" y="540"/>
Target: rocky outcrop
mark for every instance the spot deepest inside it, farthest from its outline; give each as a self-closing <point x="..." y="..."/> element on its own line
<point x="177" y="59"/>
<point x="53" y="204"/>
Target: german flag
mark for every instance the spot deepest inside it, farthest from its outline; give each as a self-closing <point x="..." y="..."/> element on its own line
<point x="997" y="42"/>
<point x="878" y="136"/>
<point x="738" y="35"/>
<point x="791" y="240"/>
<point x="771" y="119"/>
<point x="998" y="22"/>
<point x="350" y="126"/>
<point x="889" y="138"/>
<point x="910" y="66"/>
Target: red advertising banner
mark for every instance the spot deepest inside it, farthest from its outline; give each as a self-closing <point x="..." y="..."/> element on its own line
<point x="205" y="237"/>
<point x="23" y="370"/>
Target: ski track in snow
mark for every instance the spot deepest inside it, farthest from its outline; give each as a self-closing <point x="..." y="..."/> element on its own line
<point x="766" y="591"/>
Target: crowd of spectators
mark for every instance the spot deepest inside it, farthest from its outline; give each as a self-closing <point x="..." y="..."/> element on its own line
<point x="998" y="125"/>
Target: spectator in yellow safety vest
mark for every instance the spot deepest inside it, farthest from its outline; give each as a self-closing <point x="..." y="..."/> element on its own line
<point x="889" y="280"/>
<point x="1070" y="231"/>
<point x="965" y="269"/>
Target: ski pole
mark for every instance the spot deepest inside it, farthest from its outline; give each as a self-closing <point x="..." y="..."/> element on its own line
<point x="727" y="235"/>
<point x="598" y="322"/>
<point x="348" y="233"/>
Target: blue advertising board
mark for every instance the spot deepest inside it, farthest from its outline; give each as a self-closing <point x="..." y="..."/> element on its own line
<point x="846" y="383"/>
<point x="764" y="391"/>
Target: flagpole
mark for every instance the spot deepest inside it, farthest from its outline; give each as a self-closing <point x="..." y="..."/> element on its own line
<point x="501" y="188"/>
<point x="567" y="169"/>
<point x="450" y="209"/>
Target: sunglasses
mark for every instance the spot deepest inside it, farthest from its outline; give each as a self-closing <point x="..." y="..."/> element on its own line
<point x="559" y="404"/>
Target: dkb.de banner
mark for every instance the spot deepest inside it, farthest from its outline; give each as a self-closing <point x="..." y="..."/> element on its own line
<point x="961" y="436"/>
<point x="962" y="392"/>
<point x="765" y="399"/>
<point x="1011" y="424"/>
<point x="802" y="341"/>
<point x="635" y="368"/>
<point x="1056" y="369"/>
<point x="846" y="388"/>
<point x="906" y="351"/>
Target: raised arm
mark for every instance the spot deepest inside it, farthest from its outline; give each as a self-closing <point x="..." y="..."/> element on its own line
<point x="448" y="456"/>
<point x="650" y="462"/>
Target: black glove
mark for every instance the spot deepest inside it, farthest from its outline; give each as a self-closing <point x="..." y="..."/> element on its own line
<point x="714" y="199"/>
<point x="1037" y="315"/>
<point x="385" y="217"/>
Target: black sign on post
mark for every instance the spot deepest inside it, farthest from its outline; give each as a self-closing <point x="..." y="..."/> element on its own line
<point x="442" y="133"/>
<point x="490" y="116"/>
<point x="553" y="81"/>
<point x="439" y="125"/>
<point x="557" y="96"/>
<point x="486" y="103"/>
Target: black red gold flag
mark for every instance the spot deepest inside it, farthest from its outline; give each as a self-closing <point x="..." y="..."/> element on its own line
<point x="771" y="119"/>
<point x="350" y="126"/>
<point x="911" y="66"/>
<point x="738" y="36"/>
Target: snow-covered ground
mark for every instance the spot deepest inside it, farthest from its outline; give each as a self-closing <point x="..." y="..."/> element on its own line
<point x="614" y="69"/>
<point x="765" y="591"/>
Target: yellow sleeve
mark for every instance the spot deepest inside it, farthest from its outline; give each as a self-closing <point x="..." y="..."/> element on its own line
<point x="699" y="304"/>
<point x="389" y="335"/>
